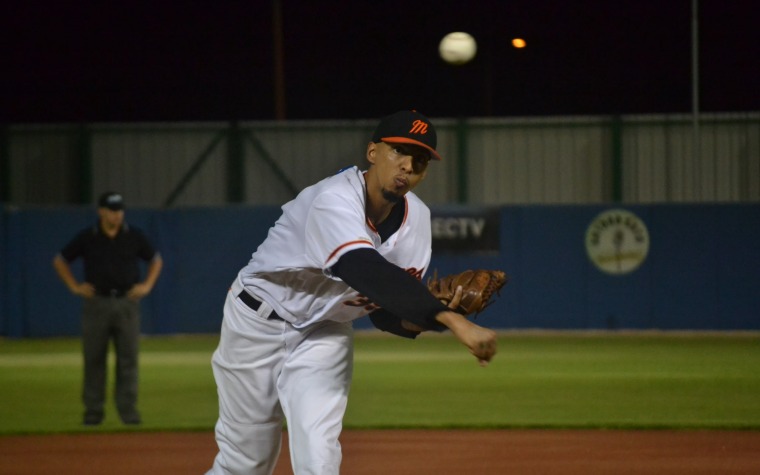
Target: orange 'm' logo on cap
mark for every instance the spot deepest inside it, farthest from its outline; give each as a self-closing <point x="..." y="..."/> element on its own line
<point x="418" y="127"/>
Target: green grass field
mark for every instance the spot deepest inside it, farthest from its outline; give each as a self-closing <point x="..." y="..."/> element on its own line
<point x="538" y="380"/>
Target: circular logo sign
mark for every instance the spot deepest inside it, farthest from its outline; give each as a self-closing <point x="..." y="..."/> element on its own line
<point x="617" y="241"/>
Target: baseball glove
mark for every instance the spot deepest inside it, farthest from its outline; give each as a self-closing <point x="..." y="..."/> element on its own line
<point x="478" y="288"/>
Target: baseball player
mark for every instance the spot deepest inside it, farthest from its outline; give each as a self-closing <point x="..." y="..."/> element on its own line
<point x="353" y="244"/>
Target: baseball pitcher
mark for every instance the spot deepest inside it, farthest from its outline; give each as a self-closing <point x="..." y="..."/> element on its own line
<point x="357" y="243"/>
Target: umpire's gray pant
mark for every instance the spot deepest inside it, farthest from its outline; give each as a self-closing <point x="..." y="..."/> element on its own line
<point x="105" y="319"/>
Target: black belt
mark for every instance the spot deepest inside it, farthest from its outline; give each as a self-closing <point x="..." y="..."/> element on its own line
<point x="110" y="293"/>
<point x="254" y="304"/>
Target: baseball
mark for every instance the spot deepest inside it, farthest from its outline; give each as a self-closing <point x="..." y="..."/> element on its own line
<point x="457" y="48"/>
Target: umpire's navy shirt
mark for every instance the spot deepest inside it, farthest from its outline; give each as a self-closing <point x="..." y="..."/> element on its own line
<point x="110" y="264"/>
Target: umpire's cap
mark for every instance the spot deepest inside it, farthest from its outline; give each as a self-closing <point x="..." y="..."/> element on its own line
<point x="111" y="200"/>
<point x="407" y="127"/>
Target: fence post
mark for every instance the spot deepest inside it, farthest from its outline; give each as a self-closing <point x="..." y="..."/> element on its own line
<point x="235" y="165"/>
<point x="83" y="157"/>
<point x="462" y="177"/>
<point x="617" y="159"/>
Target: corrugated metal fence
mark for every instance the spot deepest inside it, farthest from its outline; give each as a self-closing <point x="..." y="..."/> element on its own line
<point x="549" y="160"/>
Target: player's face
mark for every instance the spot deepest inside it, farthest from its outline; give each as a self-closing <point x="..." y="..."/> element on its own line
<point x="399" y="168"/>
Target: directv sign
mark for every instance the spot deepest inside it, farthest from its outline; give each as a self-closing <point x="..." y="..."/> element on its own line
<point x="463" y="230"/>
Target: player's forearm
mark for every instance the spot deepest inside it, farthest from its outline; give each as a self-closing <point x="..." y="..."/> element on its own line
<point x="154" y="270"/>
<point x="480" y="341"/>
<point x="64" y="272"/>
<point x="455" y="322"/>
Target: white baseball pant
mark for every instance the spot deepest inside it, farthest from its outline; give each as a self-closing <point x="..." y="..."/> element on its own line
<point x="266" y="369"/>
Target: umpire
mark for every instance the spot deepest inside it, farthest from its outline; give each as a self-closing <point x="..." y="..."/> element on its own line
<point x="111" y="290"/>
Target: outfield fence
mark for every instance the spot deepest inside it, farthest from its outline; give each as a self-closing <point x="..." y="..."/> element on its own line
<point x="487" y="161"/>
<point x="570" y="266"/>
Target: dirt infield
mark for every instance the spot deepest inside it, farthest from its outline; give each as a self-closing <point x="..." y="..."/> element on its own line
<point x="407" y="452"/>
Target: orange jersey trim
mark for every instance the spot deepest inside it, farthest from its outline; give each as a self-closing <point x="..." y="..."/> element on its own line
<point x="350" y="243"/>
<point x="403" y="220"/>
<point x="369" y="223"/>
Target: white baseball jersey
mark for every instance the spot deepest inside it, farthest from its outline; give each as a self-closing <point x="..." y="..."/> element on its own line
<point x="291" y="269"/>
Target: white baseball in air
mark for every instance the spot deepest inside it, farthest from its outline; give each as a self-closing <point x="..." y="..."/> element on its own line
<point x="457" y="48"/>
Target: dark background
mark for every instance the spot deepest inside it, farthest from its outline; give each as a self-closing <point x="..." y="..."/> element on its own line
<point x="214" y="60"/>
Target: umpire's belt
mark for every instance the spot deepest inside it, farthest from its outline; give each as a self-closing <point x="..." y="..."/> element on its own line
<point x="254" y="304"/>
<point x="116" y="293"/>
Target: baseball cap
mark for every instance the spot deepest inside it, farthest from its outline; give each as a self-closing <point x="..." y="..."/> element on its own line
<point x="407" y="127"/>
<point x="111" y="200"/>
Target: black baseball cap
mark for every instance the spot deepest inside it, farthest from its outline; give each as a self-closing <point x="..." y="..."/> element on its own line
<point x="111" y="200"/>
<point x="407" y="127"/>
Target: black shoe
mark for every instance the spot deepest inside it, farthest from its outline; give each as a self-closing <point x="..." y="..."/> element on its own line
<point x="131" y="418"/>
<point x="93" y="418"/>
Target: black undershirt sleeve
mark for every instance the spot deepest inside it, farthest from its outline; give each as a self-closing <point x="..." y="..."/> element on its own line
<point x="391" y="287"/>
<point x="387" y="322"/>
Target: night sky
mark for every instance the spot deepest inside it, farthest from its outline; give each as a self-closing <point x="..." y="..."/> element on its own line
<point x="214" y="60"/>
